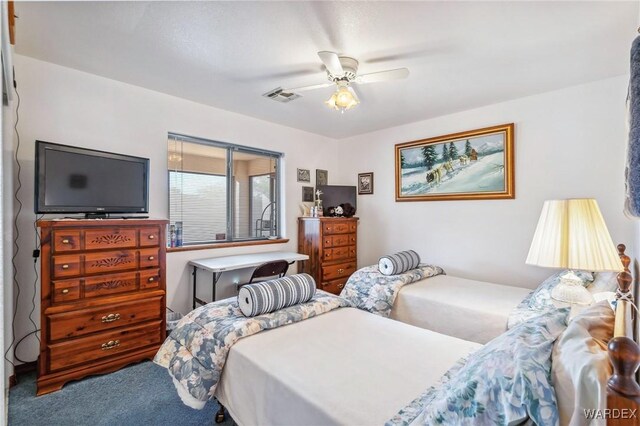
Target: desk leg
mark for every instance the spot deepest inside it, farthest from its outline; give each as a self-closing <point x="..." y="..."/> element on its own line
<point x="216" y="276"/>
<point x="194" y="273"/>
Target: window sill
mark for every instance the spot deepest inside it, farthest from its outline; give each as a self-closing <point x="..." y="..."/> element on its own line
<point x="227" y="245"/>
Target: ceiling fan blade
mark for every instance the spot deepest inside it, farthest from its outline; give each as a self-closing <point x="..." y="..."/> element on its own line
<point x="332" y="62"/>
<point x="374" y="77"/>
<point x="306" y="88"/>
<point x="353" y="92"/>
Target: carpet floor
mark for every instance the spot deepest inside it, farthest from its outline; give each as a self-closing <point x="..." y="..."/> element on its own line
<point x="141" y="394"/>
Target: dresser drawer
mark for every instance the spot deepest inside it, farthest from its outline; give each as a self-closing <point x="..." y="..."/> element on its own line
<point x="66" y="266"/>
<point x="336" y="227"/>
<point x="149" y="258"/>
<point x="339" y="253"/>
<point x="149" y="278"/>
<point x="103" y="318"/>
<point x="65" y="291"/>
<point x="109" y="238"/>
<point x="334" y="286"/>
<point x="343" y="240"/>
<point x="104" y="345"/>
<point x="64" y="241"/>
<point x="109" y="261"/>
<point x="339" y="270"/>
<point x="149" y="236"/>
<point x="103" y="285"/>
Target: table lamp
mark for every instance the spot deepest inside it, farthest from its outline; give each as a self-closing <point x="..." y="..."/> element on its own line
<point x="571" y="234"/>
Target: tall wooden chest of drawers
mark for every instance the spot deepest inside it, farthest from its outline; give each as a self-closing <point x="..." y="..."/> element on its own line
<point x="331" y="244"/>
<point x="102" y="296"/>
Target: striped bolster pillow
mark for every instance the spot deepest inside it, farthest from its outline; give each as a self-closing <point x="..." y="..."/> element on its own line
<point x="398" y="263"/>
<point x="269" y="296"/>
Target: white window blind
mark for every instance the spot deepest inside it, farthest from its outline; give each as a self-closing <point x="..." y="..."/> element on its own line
<point x="199" y="201"/>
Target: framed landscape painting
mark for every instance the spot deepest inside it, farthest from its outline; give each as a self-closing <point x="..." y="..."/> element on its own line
<point x="473" y="165"/>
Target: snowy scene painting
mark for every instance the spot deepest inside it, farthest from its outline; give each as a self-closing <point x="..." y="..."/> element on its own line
<point x="477" y="164"/>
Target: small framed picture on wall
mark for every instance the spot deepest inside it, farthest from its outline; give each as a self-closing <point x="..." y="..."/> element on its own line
<point x="307" y="194"/>
<point x="365" y="183"/>
<point x="304" y="175"/>
<point x="322" y="177"/>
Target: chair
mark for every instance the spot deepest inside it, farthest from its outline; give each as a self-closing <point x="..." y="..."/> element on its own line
<point x="276" y="268"/>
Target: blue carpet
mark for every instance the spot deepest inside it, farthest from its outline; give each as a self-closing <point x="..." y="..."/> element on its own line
<point x="141" y="394"/>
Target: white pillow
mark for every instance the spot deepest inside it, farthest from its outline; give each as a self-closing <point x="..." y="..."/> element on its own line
<point x="580" y="364"/>
<point x="604" y="281"/>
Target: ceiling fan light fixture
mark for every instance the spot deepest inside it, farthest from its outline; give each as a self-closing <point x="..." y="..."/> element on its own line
<point x="342" y="99"/>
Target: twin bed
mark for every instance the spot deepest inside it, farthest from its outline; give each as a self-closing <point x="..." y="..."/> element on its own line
<point x="472" y="310"/>
<point x="348" y="366"/>
<point x="357" y="368"/>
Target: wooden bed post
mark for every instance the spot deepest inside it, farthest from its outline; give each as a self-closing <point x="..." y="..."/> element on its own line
<point x="623" y="391"/>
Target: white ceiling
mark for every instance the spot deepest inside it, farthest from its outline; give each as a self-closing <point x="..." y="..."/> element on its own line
<point x="227" y="54"/>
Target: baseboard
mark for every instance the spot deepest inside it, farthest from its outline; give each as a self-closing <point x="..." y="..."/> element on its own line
<point x="21" y="369"/>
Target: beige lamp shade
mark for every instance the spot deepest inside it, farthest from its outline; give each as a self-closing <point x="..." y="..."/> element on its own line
<point x="572" y="234"/>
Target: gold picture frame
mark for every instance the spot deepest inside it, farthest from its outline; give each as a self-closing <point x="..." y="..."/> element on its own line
<point x="472" y="165"/>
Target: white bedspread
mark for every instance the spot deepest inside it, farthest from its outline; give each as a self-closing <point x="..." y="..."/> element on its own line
<point x="344" y="367"/>
<point x="471" y="310"/>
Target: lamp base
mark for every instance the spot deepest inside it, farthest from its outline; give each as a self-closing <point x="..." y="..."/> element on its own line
<point x="570" y="290"/>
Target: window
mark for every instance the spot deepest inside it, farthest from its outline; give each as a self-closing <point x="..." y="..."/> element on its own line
<point x="220" y="192"/>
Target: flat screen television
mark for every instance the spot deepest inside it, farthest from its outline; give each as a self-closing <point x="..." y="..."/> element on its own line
<point x="334" y="195"/>
<point x="71" y="179"/>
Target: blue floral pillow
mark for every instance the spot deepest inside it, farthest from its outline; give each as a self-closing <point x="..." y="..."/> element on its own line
<point x="505" y="382"/>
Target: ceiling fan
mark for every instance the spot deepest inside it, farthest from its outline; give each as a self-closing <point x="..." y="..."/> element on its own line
<point x="342" y="71"/>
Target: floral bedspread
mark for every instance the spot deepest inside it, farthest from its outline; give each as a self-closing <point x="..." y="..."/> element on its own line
<point x="370" y="290"/>
<point x="196" y="351"/>
<point x="507" y="381"/>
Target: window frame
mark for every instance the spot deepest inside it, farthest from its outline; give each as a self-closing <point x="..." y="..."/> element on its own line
<point x="231" y="196"/>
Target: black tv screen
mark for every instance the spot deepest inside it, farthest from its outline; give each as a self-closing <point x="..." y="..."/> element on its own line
<point x="334" y="195"/>
<point x="78" y="180"/>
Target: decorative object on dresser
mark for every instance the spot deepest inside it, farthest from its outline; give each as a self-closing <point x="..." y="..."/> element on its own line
<point x="103" y="300"/>
<point x="331" y="244"/>
<point x="365" y="183"/>
<point x="472" y="165"/>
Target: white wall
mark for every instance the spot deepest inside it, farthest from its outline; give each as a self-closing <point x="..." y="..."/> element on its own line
<point x="67" y="106"/>
<point x="6" y="247"/>
<point x="568" y="143"/>
<point x="6" y="216"/>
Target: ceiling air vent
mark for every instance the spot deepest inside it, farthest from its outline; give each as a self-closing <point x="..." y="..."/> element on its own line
<point x="281" y="96"/>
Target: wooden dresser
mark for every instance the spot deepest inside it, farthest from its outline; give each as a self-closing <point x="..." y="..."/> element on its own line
<point x="331" y="244"/>
<point x="102" y="296"/>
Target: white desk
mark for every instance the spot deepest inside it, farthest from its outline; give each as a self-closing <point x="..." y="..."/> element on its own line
<point x="217" y="265"/>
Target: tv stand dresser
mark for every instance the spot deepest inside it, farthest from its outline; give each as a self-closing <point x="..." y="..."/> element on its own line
<point x="103" y="299"/>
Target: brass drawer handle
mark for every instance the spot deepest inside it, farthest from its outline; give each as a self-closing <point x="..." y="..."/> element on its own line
<point x="151" y="237"/>
<point x="340" y="285"/>
<point x="151" y="279"/>
<point x="110" y="345"/>
<point x="65" y="291"/>
<point x="65" y="266"/>
<point x="151" y="257"/>
<point x="65" y="241"/>
<point x="110" y="318"/>
<point x="340" y="270"/>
